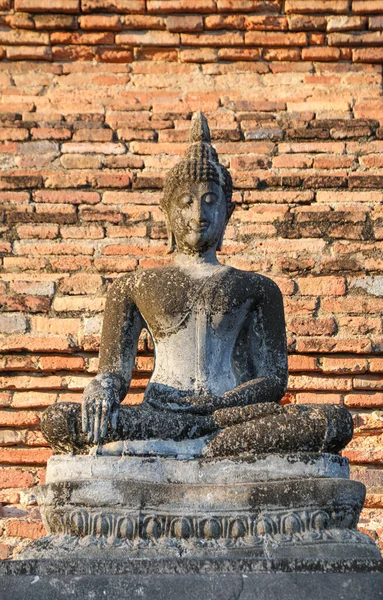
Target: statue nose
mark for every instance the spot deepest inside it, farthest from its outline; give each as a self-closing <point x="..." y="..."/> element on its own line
<point x="198" y="213"/>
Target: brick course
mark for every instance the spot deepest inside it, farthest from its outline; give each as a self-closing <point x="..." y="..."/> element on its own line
<point x="97" y="97"/>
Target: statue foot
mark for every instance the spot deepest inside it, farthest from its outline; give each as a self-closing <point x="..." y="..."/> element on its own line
<point x="270" y="428"/>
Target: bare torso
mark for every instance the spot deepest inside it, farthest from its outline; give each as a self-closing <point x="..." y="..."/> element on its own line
<point x="195" y="318"/>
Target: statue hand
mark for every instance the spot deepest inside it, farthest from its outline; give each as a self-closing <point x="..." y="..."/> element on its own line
<point x="200" y="405"/>
<point x="100" y="403"/>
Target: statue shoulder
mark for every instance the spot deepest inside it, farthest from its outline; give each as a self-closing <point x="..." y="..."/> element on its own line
<point x="123" y="285"/>
<point x="260" y="285"/>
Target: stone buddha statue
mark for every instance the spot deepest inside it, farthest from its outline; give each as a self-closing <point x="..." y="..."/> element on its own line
<point x="219" y="337"/>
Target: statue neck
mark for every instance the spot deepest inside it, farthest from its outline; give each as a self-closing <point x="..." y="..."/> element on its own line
<point x="183" y="259"/>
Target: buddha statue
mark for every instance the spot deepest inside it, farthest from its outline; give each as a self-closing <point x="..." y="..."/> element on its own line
<point x="219" y="337"/>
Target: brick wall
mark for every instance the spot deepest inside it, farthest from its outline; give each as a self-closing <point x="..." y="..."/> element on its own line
<point x="95" y="106"/>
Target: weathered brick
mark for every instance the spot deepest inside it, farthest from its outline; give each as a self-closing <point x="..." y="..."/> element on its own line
<point x="13" y="323"/>
<point x="147" y="38"/>
<point x="267" y="38"/>
<point x="249" y="6"/>
<point x="42" y="6"/>
<point x="347" y="23"/>
<point x="24" y="529"/>
<point x="184" y="24"/>
<point x="321" y="53"/>
<point x="101" y="22"/>
<point x="322" y="286"/>
<point x="15" y="478"/>
<point x="367" y="6"/>
<point x="29" y="53"/>
<point x="368" y="55"/>
<point x="53" y="22"/>
<point x="320" y="6"/>
<point x="63" y="37"/>
<point x="118" y="6"/>
<point x="180" y="6"/>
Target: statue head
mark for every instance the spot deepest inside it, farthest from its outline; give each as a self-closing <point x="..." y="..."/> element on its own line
<point x="197" y="200"/>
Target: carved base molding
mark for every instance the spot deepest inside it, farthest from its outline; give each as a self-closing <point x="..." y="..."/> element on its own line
<point x="220" y="509"/>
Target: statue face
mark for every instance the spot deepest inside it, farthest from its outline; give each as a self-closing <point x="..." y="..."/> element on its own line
<point x="197" y="216"/>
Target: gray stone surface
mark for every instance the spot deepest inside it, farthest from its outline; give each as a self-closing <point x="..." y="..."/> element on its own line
<point x="176" y="580"/>
<point x="275" y="507"/>
<point x="228" y="471"/>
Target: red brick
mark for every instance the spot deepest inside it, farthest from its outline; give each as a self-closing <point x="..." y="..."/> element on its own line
<point x="29" y="53"/>
<point x="309" y="326"/>
<point x="54" y="22"/>
<point x="15" y="478"/>
<point x="324" y="53"/>
<point x="33" y="399"/>
<point x="364" y="400"/>
<point x="114" y="56"/>
<point x="368" y="382"/>
<point x="376" y="365"/>
<point x="298" y="362"/>
<point x="184" y="24"/>
<point x="318" y="398"/>
<point x="5" y="549"/>
<point x="18" y="418"/>
<point x="265" y="23"/>
<point x="144" y="22"/>
<point x="368" y="55"/>
<point x="224" y="22"/>
<point x="322" y="286"/>
<point x="52" y="6"/>
<point x="282" y="54"/>
<point x="73" y="53"/>
<point x="180" y="6"/>
<point x="323" y="344"/>
<point x="36" y="343"/>
<point x="81" y="283"/>
<point x="256" y="38"/>
<point x="24" y="529"/>
<point x="367" y="6"/>
<point x="374" y="23"/>
<point x="70" y="196"/>
<point x="319" y="382"/>
<point x="62" y="363"/>
<point x="203" y="55"/>
<point x="320" y="6"/>
<point x="347" y="23"/>
<point x="148" y="38"/>
<point x="118" y="6"/>
<point x="214" y="38"/>
<point x="365" y="449"/>
<point x="62" y="37"/>
<point x="306" y="23"/>
<point x="344" y="365"/>
<point x="101" y="22"/>
<point x="249" y="6"/>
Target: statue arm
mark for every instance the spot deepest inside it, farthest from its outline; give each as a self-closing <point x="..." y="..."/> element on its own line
<point x="119" y="339"/>
<point x="267" y="351"/>
<point x="263" y="355"/>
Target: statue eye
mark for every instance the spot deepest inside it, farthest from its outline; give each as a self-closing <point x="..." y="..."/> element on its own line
<point x="187" y="200"/>
<point x="209" y="198"/>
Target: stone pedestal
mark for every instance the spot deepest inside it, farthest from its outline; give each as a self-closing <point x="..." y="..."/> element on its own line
<point x="276" y="506"/>
<point x="275" y="527"/>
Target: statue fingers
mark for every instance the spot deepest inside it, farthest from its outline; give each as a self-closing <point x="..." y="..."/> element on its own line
<point x="97" y="422"/>
<point x="105" y="416"/>
<point x="114" y="417"/>
<point x="85" y="421"/>
<point x="91" y="410"/>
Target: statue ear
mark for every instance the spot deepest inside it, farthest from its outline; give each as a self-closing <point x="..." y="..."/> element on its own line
<point x="170" y="234"/>
<point x="229" y="213"/>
